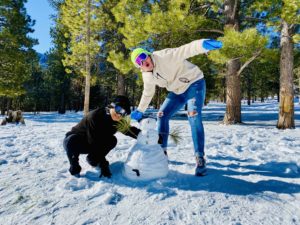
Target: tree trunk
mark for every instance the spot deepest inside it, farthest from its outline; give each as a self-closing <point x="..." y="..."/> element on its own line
<point x="224" y="90"/>
<point x="262" y="98"/>
<point x="133" y="94"/>
<point x="233" y="85"/>
<point x="3" y="106"/>
<point x="62" y="106"/>
<point x="233" y="94"/>
<point x="249" y="88"/>
<point x="248" y="96"/>
<point x="121" y="84"/>
<point x="87" y="62"/>
<point x="286" y="104"/>
<point x="8" y="104"/>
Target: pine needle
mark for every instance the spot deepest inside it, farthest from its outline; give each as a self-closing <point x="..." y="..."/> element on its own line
<point x="176" y="135"/>
<point x="123" y="125"/>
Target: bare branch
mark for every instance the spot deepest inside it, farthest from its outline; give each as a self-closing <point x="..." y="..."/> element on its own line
<point x="190" y="9"/>
<point x="207" y="10"/>
<point x="200" y="7"/>
<point x="249" y="61"/>
<point x="211" y="31"/>
<point x="249" y="18"/>
<point x="199" y="30"/>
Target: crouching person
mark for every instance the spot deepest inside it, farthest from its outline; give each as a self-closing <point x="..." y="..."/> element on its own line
<point x="94" y="136"/>
<point x="15" y="117"/>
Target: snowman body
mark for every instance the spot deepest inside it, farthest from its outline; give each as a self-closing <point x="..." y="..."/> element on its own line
<point x="146" y="160"/>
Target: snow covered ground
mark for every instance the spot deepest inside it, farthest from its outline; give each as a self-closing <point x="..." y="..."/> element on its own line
<point x="253" y="175"/>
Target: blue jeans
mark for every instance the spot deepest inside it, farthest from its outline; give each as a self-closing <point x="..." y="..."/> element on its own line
<point x="194" y="97"/>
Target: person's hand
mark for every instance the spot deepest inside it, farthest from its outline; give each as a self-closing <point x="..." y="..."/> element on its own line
<point x="211" y="44"/>
<point x="136" y="115"/>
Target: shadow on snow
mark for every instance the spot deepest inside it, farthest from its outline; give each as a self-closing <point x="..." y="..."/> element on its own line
<point x="219" y="179"/>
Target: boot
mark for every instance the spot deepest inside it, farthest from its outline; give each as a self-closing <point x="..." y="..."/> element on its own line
<point x="200" y="166"/>
<point x="105" y="171"/>
<point x="75" y="168"/>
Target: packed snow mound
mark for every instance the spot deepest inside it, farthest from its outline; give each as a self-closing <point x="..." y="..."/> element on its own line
<point x="146" y="160"/>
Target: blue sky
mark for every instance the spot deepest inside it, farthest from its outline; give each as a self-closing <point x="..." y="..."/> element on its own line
<point x="40" y="11"/>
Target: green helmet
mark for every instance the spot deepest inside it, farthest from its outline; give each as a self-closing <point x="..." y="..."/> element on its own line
<point x="136" y="52"/>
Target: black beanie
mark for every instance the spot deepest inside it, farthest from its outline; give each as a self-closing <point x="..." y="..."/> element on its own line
<point x="123" y="102"/>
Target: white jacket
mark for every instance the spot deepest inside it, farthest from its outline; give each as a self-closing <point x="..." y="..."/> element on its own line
<point x="172" y="71"/>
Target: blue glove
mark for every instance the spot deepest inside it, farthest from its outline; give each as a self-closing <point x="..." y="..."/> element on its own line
<point x="212" y="44"/>
<point x="136" y="115"/>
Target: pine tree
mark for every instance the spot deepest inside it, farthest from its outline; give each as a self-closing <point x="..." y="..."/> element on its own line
<point x="56" y="70"/>
<point x="117" y="53"/>
<point x="81" y="19"/>
<point x="242" y="45"/>
<point x="16" y="52"/>
<point x="284" y="14"/>
<point x="261" y="77"/>
<point x="158" y="25"/>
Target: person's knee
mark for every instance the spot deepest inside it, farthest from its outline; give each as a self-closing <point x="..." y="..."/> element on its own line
<point x="163" y="116"/>
<point x="114" y="142"/>
<point x="66" y="144"/>
<point x="110" y="143"/>
<point x="160" y="114"/>
<point x="192" y="113"/>
<point x="70" y="143"/>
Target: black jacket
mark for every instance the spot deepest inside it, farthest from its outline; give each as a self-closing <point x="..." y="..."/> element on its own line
<point x="98" y="126"/>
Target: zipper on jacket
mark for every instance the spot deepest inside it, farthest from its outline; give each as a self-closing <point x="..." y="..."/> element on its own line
<point x="159" y="76"/>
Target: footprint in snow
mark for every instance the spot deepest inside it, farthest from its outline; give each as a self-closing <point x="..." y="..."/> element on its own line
<point x="3" y="161"/>
<point x="113" y="198"/>
<point x="9" y="144"/>
<point x="75" y="184"/>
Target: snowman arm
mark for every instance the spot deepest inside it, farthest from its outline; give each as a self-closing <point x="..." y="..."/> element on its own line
<point x="132" y="132"/>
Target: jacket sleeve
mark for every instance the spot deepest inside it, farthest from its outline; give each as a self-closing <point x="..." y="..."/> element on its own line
<point x="148" y="92"/>
<point x="185" y="51"/>
<point x="133" y="132"/>
<point x="91" y="130"/>
<point x="93" y="119"/>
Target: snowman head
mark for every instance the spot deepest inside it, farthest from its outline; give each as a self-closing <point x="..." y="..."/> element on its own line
<point x="148" y="135"/>
<point x="148" y="124"/>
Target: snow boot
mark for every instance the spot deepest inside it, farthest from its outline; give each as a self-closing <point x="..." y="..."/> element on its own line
<point x="75" y="170"/>
<point x="105" y="171"/>
<point x="200" y="166"/>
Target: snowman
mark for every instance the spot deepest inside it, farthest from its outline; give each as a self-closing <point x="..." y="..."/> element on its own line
<point x="146" y="160"/>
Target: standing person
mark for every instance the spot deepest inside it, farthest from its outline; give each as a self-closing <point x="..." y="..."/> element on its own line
<point x="94" y="136"/>
<point x="185" y="82"/>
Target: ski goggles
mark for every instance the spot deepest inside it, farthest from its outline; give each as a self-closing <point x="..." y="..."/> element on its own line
<point x="119" y="110"/>
<point x="140" y="59"/>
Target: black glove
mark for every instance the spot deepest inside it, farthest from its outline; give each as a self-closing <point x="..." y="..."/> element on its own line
<point x="75" y="169"/>
<point x="105" y="171"/>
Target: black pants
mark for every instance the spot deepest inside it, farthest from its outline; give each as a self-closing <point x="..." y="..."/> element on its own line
<point x="75" y="145"/>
